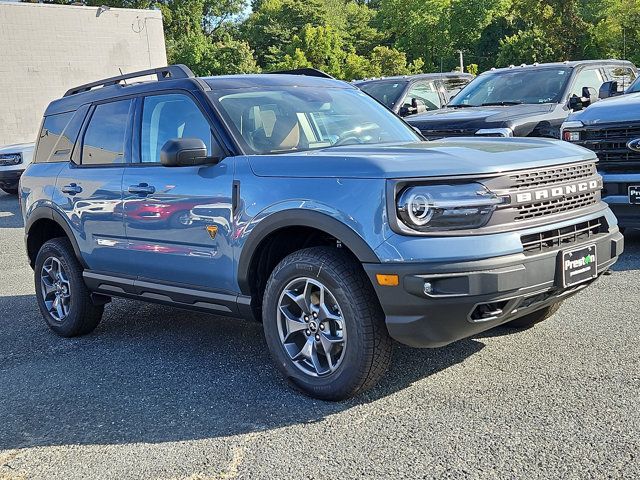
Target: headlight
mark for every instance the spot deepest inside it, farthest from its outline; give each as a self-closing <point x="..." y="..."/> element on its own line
<point x="431" y="208"/>
<point x="10" y="159"/>
<point x="495" y="132"/>
<point x="570" y="136"/>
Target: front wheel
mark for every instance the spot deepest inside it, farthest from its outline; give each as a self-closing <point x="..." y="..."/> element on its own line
<point x="536" y="317"/>
<point x="323" y="324"/>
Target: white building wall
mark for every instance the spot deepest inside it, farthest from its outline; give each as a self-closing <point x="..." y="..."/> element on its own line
<point x="47" y="49"/>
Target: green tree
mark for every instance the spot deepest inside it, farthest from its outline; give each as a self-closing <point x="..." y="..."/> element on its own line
<point x="273" y="24"/>
<point x="319" y="47"/>
<point x="205" y="57"/>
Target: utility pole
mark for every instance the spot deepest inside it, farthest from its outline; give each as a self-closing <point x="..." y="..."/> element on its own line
<point x="461" y="61"/>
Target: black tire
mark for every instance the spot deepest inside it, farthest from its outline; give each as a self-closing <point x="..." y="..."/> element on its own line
<point x="83" y="316"/>
<point x="10" y="191"/>
<point x="532" y="319"/>
<point x="366" y="353"/>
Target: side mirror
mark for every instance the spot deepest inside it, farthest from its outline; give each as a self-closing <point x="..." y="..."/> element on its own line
<point x="589" y="96"/>
<point x="185" y="152"/>
<point x="608" y="89"/>
<point x="418" y="106"/>
<point x="575" y="103"/>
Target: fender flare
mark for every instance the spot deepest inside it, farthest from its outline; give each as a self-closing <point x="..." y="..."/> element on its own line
<point x="48" y="213"/>
<point x="300" y="218"/>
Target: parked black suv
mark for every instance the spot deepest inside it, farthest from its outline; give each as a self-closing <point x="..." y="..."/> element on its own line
<point x="611" y="128"/>
<point x="408" y="95"/>
<point x="525" y="101"/>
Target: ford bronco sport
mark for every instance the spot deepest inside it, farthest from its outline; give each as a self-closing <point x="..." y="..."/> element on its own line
<point x="302" y="202"/>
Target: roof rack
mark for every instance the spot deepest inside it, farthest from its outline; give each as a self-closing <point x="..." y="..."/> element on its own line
<point x="309" y="72"/>
<point x="162" y="73"/>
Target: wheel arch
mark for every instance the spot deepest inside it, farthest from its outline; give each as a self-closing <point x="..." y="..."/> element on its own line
<point x="278" y="222"/>
<point x="44" y="223"/>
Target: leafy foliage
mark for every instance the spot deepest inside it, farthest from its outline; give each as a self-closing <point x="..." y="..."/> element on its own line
<point x="369" y="38"/>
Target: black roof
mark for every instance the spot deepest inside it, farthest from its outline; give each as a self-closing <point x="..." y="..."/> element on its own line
<point x="115" y="87"/>
<point x="418" y="76"/>
<point x="228" y="82"/>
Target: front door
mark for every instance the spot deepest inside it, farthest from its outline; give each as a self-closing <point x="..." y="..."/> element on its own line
<point x="90" y="191"/>
<point x="178" y="219"/>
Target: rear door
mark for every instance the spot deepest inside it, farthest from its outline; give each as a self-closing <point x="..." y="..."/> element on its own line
<point x="89" y="189"/>
<point x="178" y="219"/>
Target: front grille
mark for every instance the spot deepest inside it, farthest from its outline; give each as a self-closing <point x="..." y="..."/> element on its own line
<point x="558" y="205"/>
<point x="548" y="176"/>
<point x="609" y="142"/>
<point x="557" y="238"/>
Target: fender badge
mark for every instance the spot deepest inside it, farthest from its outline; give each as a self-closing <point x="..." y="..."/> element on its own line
<point x="212" y="230"/>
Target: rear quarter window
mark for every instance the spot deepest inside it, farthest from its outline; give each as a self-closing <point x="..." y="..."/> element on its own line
<point x="58" y="134"/>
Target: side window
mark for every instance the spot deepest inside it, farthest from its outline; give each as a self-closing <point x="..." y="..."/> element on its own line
<point x="590" y="77"/>
<point x="623" y="75"/>
<point x="170" y="116"/>
<point x="104" y="138"/>
<point x="425" y="91"/>
<point x="50" y="135"/>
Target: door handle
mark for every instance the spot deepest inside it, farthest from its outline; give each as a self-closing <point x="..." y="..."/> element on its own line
<point x="142" y="189"/>
<point x="72" y="189"/>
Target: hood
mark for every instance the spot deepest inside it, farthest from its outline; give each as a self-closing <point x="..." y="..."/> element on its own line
<point x="17" y="148"/>
<point x="625" y="108"/>
<point x="474" y="118"/>
<point x="447" y="157"/>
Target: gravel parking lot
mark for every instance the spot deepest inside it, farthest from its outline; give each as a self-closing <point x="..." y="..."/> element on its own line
<point x="160" y="393"/>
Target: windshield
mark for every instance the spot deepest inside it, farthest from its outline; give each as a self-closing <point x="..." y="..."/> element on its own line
<point x="512" y="87"/>
<point x="387" y="93"/>
<point x="288" y="119"/>
<point x="635" y="86"/>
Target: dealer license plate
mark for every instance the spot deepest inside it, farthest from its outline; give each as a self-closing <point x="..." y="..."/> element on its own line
<point x="578" y="265"/>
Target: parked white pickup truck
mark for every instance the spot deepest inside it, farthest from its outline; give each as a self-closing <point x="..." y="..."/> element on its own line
<point x="13" y="161"/>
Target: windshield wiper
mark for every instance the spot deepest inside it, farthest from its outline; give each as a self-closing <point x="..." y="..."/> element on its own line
<point x="502" y="104"/>
<point x="461" y="105"/>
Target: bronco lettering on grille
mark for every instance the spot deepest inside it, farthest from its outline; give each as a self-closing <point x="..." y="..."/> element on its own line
<point x="562" y="191"/>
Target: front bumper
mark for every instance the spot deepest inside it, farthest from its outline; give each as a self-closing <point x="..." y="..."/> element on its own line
<point x="10" y="178"/>
<point x="616" y="194"/>
<point x="511" y="286"/>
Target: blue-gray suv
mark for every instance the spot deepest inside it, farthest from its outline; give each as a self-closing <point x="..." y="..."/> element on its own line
<point x="303" y="203"/>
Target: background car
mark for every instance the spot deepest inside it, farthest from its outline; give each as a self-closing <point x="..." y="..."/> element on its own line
<point x="13" y="161"/>
<point x="407" y="95"/>
<point x="526" y="101"/>
<point x="611" y="129"/>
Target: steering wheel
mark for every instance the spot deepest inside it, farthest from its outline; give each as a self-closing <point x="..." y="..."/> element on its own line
<point x="351" y="134"/>
<point x="344" y="139"/>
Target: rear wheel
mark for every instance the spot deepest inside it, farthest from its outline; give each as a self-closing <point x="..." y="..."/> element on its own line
<point x="536" y="317"/>
<point x="63" y="298"/>
<point x="323" y="324"/>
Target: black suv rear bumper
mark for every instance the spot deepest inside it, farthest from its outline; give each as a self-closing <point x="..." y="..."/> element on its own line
<point x="509" y="286"/>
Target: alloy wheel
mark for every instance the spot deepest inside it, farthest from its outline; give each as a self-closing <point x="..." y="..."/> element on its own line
<point x="311" y="327"/>
<point x="56" y="288"/>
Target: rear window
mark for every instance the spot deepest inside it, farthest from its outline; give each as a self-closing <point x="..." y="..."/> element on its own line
<point x="104" y="138"/>
<point x="58" y="135"/>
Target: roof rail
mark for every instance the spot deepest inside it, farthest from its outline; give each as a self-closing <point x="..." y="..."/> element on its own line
<point x="309" y="72"/>
<point x="162" y="73"/>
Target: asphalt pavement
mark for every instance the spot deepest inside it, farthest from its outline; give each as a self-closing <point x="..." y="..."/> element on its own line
<point x="160" y="393"/>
